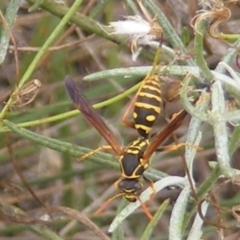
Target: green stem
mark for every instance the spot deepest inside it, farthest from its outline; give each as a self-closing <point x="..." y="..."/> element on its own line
<point x="220" y="130"/>
<point x="198" y="48"/>
<point x="234" y="140"/>
<point x="62" y="116"/>
<point x="41" y="53"/>
<point x="229" y="56"/>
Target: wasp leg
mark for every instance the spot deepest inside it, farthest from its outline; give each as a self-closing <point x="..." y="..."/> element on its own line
<point x="178" y="146"/>
<point x="151" y="185"/>
<point x="102" y="148"/>
<point x="128" y="123"/>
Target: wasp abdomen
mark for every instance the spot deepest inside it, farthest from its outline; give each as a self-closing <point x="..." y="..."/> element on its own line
<point x="147" y="106"/>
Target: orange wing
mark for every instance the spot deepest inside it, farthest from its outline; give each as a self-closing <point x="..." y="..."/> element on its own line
<point x="161" y="136"/>
<point x="85" y="107"/>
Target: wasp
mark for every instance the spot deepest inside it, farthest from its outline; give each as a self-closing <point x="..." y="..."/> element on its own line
<point x="133" y="159"/>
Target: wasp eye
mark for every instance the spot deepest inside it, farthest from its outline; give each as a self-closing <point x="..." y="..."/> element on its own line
<point x="138" y="186"/>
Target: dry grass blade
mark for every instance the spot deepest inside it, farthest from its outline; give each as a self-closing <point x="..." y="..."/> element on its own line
<point x="218" y="13"/>
<point x="26" y="94"/>
<point x="13" y="214"/>
<point x="81" y="218"/>
<point x="19" y="173"/>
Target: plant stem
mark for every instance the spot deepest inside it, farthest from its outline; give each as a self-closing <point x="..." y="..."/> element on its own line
<point x="198" y="48"/>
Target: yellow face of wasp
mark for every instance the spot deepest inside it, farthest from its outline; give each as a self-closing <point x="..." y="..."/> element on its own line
<point x="131" y="197"/>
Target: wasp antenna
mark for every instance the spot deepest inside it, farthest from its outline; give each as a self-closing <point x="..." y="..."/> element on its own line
<point x="107" y="203"/>
<point x="155" y="60"/>
<point x="144" y="208"/>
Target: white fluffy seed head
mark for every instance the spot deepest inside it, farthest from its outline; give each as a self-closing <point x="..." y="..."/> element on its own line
<point x="133" y="25"/>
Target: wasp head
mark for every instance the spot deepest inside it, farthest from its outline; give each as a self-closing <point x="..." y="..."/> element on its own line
<point x="131" y="189"/>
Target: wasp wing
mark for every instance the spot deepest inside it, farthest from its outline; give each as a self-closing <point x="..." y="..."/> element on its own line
<point x="85" y="107"/>
<point x="161" y="136"/>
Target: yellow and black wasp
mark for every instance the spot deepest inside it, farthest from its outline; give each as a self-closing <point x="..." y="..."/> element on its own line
<point x="133" y="159"/>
